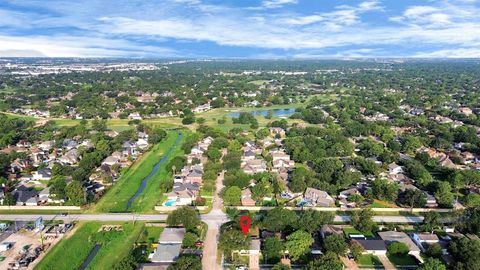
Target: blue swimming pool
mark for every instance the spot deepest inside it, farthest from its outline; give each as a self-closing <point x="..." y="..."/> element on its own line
<point x="170" y="203"/>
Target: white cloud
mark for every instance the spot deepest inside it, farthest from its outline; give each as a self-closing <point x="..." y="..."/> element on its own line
<point x="449" y="23"/>
<point x="451" y="53"/>
<point x="68" y="46"/>
<point x="277" y="3"/>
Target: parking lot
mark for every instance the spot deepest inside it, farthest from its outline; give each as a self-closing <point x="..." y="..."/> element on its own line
<point x="27" y="247"/>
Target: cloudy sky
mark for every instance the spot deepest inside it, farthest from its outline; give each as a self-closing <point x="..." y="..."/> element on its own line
<point x="240" y="28"/>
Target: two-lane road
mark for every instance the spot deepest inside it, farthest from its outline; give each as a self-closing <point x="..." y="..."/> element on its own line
<point x="215" y="216"/>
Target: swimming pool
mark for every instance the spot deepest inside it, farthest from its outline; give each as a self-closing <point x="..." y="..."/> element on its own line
<point x="170" y="202"/>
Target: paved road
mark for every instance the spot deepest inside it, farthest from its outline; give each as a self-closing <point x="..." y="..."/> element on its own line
<point x="215" y="216"/>
<point x="87" y="217"/>
<point x="214" y="220"/>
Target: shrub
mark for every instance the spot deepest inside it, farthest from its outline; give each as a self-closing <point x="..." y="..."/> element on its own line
<point x="397" y="248"/>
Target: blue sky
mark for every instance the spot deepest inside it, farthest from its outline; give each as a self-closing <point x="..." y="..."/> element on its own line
<point x="240" y="28"/>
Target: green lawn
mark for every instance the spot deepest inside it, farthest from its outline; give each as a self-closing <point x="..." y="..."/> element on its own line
<point x="72" y="251"/>
<point x="115" y="200"/>
<point x="382" y="204"/>
<point x="402" y="259"/>
<point x="369" y="261"/>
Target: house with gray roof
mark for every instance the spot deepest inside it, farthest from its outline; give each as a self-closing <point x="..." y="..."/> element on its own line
<point x="393" y="236"/>
<point x="169" y="245"/>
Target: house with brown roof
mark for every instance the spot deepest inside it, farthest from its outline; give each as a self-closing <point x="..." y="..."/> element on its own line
<point x="318" y="197"/>
<point x="247" y="198"/>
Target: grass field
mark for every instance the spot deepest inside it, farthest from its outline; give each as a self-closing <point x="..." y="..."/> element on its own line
<point x="369" y="261"/>
<point x="72" y="251"/>
<point x="383" y="204"/>
<point x="115" y="200"/>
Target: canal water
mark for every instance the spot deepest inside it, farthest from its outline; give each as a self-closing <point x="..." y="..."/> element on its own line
<point x="153" y="172"/>
<point x="90" y="256"/>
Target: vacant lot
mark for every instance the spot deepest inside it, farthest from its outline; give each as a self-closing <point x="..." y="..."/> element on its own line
<point x="72" y="251"/>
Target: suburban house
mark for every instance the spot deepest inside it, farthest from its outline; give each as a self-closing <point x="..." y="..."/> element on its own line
<point x="393" y="236"/>
<point x="111" y="160"/>
<point x="42" y="174"/>
<point x="247" y="198"/>
<point x="169" y="245"/>
<point x="44" y="196"/>
<point x="431" y="201"/>
<point x="393" y="168"/>
<point x="129" y="149"/>
<point x="70" y="158"/>
<point x="423" y="240"/>
<point x="254" y="166"/>
<point x="277" y="131"/>
<point x="25" y="196"/>
<point x="183" y="197"/>
<point x="328" y="229"/>
<point x="318" y="197"/>
<point x="201" y="108"/>
<point x="69" y="144"/>
<point x="193" y="174"/>
<point x="46" y="145"/>
<point x="374" y="247"/>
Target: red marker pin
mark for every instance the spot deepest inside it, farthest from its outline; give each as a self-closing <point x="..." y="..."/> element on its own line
<point x="245" y="224"/>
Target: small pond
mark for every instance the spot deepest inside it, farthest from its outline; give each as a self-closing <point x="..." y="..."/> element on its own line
<point x="264" y="112"/>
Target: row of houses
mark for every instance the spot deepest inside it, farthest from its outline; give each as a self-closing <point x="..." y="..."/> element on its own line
<point x="42" y="156"/>
<point x="187" y="183"/>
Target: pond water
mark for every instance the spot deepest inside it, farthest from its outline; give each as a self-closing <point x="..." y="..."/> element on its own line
<point x="275" y="112"/>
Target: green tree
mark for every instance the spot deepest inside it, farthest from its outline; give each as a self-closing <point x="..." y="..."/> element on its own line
<point x="281" y="266"/>
<point x="279" y="219"/>
<point x="432" y="264"/>
<point x="328" y="261"/>
<point x="75" y="193"/>
<point x="356" y="249"/>
<point x="472" y="200"/>
<point x="232" y="196"/>
<point x="58" y="185"/>
<point x="414" y="198"/>
<point x="362" y="220"/>
<point x="466" y="254"/>
<point x="214" y="154"/>
<point x="336" y="243"/>
<point x="431" y="221"/>
<point x="186" y="216"/>
<point x="189" y="240"/>
<point x="231" y="240"/>
<point x="471" y="220"/>
<point x="127" y="263"/>
<point x="272" y="248"/>
<point x="187" y="262"/>
<point x="397" y="248"/>
<point x="298" y="244"/>
<point x="312" y="220"/>
<point x="444" y="194"/>
<point x="434" y="250"/>
<point x="385" y="190"/>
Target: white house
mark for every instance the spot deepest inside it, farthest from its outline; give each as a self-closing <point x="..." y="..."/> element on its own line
<point x="423" y="240"/>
